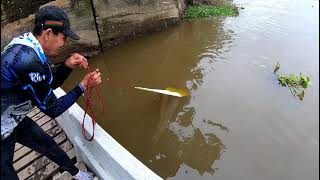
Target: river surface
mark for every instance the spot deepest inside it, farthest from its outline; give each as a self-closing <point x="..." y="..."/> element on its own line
<point x="238" y="123"/>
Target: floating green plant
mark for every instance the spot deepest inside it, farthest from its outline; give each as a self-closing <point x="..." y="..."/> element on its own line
<point x="297" y="83"/>
<point x="197" y="11"/>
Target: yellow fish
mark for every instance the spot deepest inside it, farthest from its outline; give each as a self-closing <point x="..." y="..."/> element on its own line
<point x="168" y="91"/>
<point x="182" y="92"/>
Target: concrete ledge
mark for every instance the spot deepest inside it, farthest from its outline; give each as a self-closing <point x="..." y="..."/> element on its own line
<point x="103" y="155"/>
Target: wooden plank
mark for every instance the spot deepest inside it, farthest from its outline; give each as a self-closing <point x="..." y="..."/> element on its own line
<point x="51" y="131"/>
<point x="66" y="175"/>
<point x="33" y="112"/>
<point x="45" y="127"/>
<point x="25" y="150"/>
<point x="38" y="116"/>
<point x="49" y="125"/>
<point x="43" y="172"/>
<point x="43" y="120"/>
<point x="56" y="175"/>
<point x="50" y="169"/>
<point x="18" y="146"/>
<point x="26" y="160"/>
<point x="54" y="131"/>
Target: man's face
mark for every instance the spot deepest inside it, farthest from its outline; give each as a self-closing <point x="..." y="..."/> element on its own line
<point x="53" y="42"/>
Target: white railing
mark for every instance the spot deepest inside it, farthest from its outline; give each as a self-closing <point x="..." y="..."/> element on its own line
<point x="103" y="155"/>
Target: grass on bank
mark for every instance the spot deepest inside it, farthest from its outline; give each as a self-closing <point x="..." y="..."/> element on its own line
<point x="200" y="11"/>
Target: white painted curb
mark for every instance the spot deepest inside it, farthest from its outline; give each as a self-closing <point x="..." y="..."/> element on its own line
<point x="103" y="155"/>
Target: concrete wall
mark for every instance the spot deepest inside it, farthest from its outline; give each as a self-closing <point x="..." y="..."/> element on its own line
<point x="81" y="19"/>
<point x="117" y="20"/>
<point x="12" y="10"/>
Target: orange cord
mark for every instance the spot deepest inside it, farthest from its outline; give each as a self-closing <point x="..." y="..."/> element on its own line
<point x="89" y="106"/>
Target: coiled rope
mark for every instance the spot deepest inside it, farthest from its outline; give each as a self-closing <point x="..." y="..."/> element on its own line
<point x="89" y="107"/>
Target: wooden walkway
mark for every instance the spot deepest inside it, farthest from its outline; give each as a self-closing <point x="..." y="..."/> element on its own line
<point x="32" y="165"/>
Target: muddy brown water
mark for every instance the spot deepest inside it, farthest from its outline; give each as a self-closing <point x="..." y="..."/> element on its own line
<point x="238" y="123"/>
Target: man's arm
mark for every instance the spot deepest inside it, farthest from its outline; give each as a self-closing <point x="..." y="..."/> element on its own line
<point x="35" y="77"/>
<point x="60" y="75"/>
<point x="63" y="71"/>
<point x="56" y="106"/>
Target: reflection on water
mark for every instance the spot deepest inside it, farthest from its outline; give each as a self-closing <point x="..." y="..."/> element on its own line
<point x="168" y="109"/>
<point x="238" y="122"/>
<point x="160" y="130"/>
<point x="176" y="140"/>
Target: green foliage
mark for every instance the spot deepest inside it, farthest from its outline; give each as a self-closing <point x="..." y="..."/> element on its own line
<point x="277" y="67"/>
<point x="297" y="83"/>
<point x="208" y="11"/>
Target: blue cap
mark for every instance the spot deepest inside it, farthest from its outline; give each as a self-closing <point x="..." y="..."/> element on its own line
<point x="55" y="18"/>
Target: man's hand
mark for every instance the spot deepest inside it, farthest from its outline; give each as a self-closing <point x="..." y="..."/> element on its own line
<point x="91" y="79"/>
<point x="76" y="60"/>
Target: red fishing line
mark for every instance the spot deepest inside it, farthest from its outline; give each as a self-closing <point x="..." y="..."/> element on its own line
<point x="89" y="107"/>
<point x="89" y="103"/>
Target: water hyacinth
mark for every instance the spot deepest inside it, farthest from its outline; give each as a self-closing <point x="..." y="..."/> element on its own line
<point x="208" y="11"/>
<point x="297" y="83"/>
